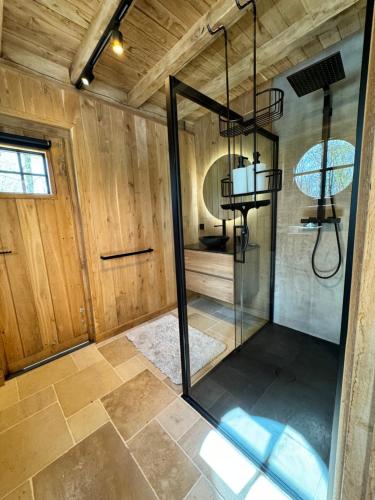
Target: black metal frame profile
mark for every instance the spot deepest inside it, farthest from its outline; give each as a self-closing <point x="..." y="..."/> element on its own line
<point x="24" y="142"/>
<point x="114" y="24"/>
<point x="174" y="88"/>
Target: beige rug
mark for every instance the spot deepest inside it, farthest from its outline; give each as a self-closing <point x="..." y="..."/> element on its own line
<point x="159" y="341"/>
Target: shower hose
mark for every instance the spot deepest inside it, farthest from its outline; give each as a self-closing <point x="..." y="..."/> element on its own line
<point x="338" y="248"/>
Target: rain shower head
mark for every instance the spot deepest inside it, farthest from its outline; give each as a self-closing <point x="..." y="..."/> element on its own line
<point x="319" y="75"/>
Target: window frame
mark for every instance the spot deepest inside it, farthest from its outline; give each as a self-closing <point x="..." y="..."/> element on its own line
<point x="48" y="171"/>
<point x="297" y="175"/>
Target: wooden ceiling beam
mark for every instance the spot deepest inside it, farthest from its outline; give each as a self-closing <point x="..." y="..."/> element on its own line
<point x="92" y="37"/>
<point x="272" y="51"/>
<point x="187" y="48"/>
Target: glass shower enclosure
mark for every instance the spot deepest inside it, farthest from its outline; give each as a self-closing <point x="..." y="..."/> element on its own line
<point x="226" y="291"/>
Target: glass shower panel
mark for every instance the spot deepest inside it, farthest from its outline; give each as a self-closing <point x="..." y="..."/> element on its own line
<point x="311" y="247"/>
<point x="252" y="268"/>
<point x="227" y="281"/>
<point x="208" y="242"/>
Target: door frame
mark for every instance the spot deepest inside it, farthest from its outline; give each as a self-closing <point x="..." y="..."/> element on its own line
<point x="66" y="133"/>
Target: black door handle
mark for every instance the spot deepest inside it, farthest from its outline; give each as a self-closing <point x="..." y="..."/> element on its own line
<point x="5" y="252"/>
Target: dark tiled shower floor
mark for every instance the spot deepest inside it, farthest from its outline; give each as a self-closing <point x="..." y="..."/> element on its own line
<point x="276" y="396"/>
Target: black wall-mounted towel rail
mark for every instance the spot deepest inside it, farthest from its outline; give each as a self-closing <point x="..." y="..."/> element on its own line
<point x="120" y="255"/>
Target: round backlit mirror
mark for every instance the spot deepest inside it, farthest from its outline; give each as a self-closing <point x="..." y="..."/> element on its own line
<point x="212" y="186"/>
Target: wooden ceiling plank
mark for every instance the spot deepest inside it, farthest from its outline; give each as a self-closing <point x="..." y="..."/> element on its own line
<point x="91" y="7"/>
<point x="62" y="59"/>
<point x="274" y="50"/>
<point x="183" y="10"/>
<point x="349" y="24"/>
<point x="51" y="39"/>
<point x="92" y="37"/>
<point x="152" y="29"/>
<point x="66" y="9"/>
<point x="330" y="37"/>
<point x="17" y="53"/>
<point x="162" y="16"/>
<point x="186" y="49"/>
<point x="37" y="17"/>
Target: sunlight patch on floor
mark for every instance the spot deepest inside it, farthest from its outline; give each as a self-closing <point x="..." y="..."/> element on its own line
<point x="227" y="462"/>
<point x="282" y="449"/>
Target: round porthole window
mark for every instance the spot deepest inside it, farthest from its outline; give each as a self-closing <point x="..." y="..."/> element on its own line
<point x="340" y="162"/>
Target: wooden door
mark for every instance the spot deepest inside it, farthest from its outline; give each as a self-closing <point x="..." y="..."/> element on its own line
<point x="42" y="299"/>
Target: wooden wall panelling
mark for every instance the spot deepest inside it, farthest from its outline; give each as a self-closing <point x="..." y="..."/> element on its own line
<point x="147" y="234"/>
<point x="36" y="262"/>
<point x="88" y="182"/>
<point x="1" y="22"/>
<point x="44" y="271"/>
<point x="121" y="170"/>
<point x="155" y="171"/>
<point x="129" y="179"/>
<point x="124" y="285"/>
<point x="86" y="317"/>
<point x="189" y="188"/>
<point x="138" y="169"/>
<point x="8" y="320"/>
<point x="355" y="471"/>
<point x="57" y="224"/>
<point x="83" y="153"/>
<point x="19" y="286"/>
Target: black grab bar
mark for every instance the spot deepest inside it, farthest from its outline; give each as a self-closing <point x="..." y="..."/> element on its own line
<point x="120" y="255"/>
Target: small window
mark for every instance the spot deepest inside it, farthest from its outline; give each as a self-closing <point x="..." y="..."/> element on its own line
<point x="23" y="171"/>
<point x="340" y="167"/>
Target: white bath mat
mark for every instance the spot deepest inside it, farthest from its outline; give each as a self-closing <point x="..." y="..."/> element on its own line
<point x="159" y="341"/>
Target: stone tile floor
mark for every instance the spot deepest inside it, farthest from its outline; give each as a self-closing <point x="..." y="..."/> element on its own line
<point x="104" y="423"/>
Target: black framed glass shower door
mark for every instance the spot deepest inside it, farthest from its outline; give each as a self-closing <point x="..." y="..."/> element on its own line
<point x="253" y="267"/>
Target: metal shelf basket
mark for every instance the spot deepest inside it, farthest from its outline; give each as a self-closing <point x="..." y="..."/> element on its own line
<point x="266" y="114"/>
<point x="274" y="178"/>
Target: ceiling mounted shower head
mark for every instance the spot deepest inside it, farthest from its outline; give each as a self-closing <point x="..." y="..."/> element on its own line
<point x="319" y="75"/>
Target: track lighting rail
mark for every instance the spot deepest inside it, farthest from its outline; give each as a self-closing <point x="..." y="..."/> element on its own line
<point x="87" y="74"/>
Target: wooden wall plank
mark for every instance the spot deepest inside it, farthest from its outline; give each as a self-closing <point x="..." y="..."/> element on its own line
<point x="60" y="245"/>
<point x="1" y="23"/>
<point x="8" y="319"/>
<point x="35" y="260"/>
<point x="20" y="284"/>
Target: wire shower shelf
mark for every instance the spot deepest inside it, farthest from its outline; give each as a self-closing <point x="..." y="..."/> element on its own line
<point x="266" y="114"/>
<point x="274" y="183"/>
